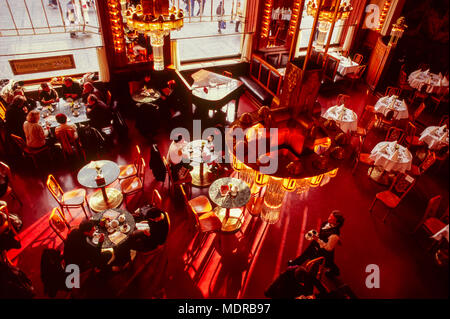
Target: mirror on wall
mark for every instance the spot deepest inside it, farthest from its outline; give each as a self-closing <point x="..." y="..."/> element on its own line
<point x="279" y="23"/>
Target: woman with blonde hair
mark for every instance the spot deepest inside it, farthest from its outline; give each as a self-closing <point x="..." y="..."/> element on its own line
<point x="34" y="133"/>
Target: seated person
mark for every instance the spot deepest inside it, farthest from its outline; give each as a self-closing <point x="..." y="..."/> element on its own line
<point x="47" y="95"/>
<point x="34" y="133"/>
<point x="178" y="164"/>
<point x="77" y="249"/>
<point x="146" y="82"/>
<point x="7" y="92"/>
<point x="8" y="235"/>
<point x="15" y="116"/>
<point x="4" y="180"/>
<point x="71" y="89"/>
<point x="66" y="134"/>
<point x="151" y="230"/>
<point x="29" y="102"/>
<point x="88" y="89"/>
<point x="98" y="113"/>
<point x="295" y="282"/>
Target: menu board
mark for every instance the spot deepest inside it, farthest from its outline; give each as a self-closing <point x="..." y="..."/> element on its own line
<point x="46" y="64"/>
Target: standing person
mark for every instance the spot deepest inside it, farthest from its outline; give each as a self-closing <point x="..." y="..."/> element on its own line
<point x="47" y="95"/>
<point x="220" y="11"/>
<point x="324" y="243"/>
<point x="175" y="158"/>
<point x="238" y="16"/>
<point x="34" y="133"/>
<point x="201" y="7"/>
<point x="70" y="14"/>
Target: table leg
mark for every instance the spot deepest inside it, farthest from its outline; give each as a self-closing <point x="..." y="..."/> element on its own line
<point x="201" y="172"/>
<point x="105" y="196"/>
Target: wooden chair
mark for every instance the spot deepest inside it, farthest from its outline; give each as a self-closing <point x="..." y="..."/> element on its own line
<point x="156" y="199"/>
<point x="403" y="82"/>
<point x="130" y="170"/>
<point x="414" y="117"/>
<point x="390" y="90"/>
<point x="341" y="99"/>
<point x="330" y="68"/>
<point x="362" y="131"/>
<point x="58" y="223"/>
<point x="421" y="95"/>
<point x="353" y="77"/>
<point x="69" y="146"/>
<point x="172" y="183"/>
<point x="363" y="158"/>
<point x="134" y="184"/>
<point x="410" y="139"/>
<point x="4" y="168"/>
<point x="26" y="151"/>
<point x="71" y="199"/>
<point x="444" y="121"/>
<point x="394" y="134"/>
<point x="358" y="58"/>
<point x="385" y="121"/>
<point x="401" y="185"/>
<point x="437" y="100"/>
<point x="429" y="222"/>
<point x="418" y="170"/>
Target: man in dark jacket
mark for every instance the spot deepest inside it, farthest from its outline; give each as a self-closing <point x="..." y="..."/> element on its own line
<point x="98" y="113"/>
<point x="15" y="116"/>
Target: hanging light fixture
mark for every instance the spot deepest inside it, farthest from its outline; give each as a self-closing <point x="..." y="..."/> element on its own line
<point x="328" y="7"/>
<point x="154" y="19"/>
<point x="289" y="184"/>
<point x="261" y="179"/>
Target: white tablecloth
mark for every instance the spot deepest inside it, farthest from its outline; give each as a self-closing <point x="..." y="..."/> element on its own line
<point x="385" y="104"/>
<point x="435" y="83"/>
<point x="346" y="65"/>
<point x="443" y="233"/>
<point x="392" y="157"/>
<point x="346" y="119"/>
<point x="199" y="151"/>
<point x="435" y="137"/>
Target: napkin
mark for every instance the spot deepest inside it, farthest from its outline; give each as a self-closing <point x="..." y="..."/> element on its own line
<point x="383" y="148"/>
<point x="444" y="81"/>
<point x="117" y="237"/>
<point x="395" y="156"/>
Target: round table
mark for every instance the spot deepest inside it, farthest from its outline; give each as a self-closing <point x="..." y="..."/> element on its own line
<point x="229" y="223"/>
<point x="346" y="119"/>
<point x="105" y="198"/>
<point x="435" y="137"/>
<point x="117" y="238"/>
<point x="387" y="103"/>
<point x="146" y="96"/>
<point x="389" y="157"/>
<point x="200" y="152"/>
<point x="434" y="83"/>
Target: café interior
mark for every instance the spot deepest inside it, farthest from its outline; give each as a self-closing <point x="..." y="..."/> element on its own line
<point x="159" y="178"/>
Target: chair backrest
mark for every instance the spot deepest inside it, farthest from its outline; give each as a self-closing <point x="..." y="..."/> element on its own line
<point x="394" y="134"/>
<point x="58" y="223"/>
<point x="227" y="73"/>
<point x="190" y="209"/>
<point x="2" y="111"/>
<point x="429" y="160"/>
<point x="444" y="121"/>
<point x="5" y="168"/>
<point x="432" y="208"/>
<point x="403" y="77"/>
<point x="402" y="184"/>
<point x="169" y="171"/>
<point x="108" y="97"/>
<point x="19" y="142"/>
<point x="313" y="266"/>
<point x="67" y="142"/>
<point x="330" y="69"/>
<point x="360" y="71"/>
<point x="134" y="86"/>
<point x="156" y="199"/>
<point x="341" y="99"/>
<point x="419" y="111"/>
<point x="390" y="90"/>
<point x="357" y="58"/>
<point x="141" y="169"/>
<point x="54" y="188"/>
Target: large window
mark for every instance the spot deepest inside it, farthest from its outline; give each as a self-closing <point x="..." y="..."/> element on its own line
<point x="42" y="28"/>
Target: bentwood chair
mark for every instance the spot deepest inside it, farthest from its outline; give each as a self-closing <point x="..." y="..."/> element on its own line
<point x="9" y="191"/>
<point x="134" y="184"/>
<point x="394" y="134"/>
<point x="156" y="199"/>
<point x="71" y="199"/>
<point x="341" y="99"/>
<point x="330" y="68"/>
<point x="391" y="198"/>
<point x="58" y="223"/>
<point x="363" y="158"/>
<point x="390" y="90"/>
<point x="187" y="181"/>
<point x="353" y="77"/>
<point x="418" y="170"/>
<point x="130" y="170"/>
<point x="410" y="138"/>
<point x="358" y="58"/>
<point x="414" y="117"/>
<point x="26" y="151"/>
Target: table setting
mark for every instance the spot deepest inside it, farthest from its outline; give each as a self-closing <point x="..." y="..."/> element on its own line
<point x="75" y="111"/>
<point x="114" y="226"/>
<point x="346" y="65"/>
<point x="387" y="103"/>
<point x="146" y="95"/>
<point x="392" y="157"/>
<point x="435" y="137"/>
<point x="434" y="83"/>
<point x="346" y="119"/>
<point x="200" y="152"/>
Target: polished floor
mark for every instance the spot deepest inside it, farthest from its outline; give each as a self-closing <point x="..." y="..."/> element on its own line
<point x="242" y="265"/>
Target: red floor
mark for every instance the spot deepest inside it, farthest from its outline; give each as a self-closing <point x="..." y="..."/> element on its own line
<point x="243" y="265"/>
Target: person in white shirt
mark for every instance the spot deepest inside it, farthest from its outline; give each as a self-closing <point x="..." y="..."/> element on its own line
<point x="324" y="243"/>
<point x="175" y="157"/>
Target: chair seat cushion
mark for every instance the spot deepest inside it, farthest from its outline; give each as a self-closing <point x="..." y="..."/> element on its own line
<point x="131" y="184"/>
<point x="434" y="225"/>
<point x="258" y="91"/>
<point x="127" y="171"/>
<point x="389" y="199"/>
<point x="209" y="222"/>
<point x="74" y="197"/>
<point x="201" y="204"/>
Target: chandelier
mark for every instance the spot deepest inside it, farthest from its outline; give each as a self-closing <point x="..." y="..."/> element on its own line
<point x="328" y="7"/>
<point x="155" y="19"/>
